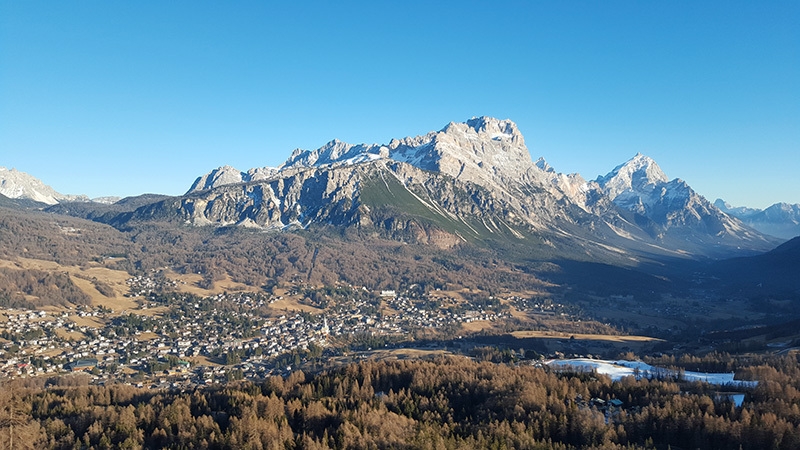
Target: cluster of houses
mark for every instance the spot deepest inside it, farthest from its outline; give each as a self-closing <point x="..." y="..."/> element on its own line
<point x="37" y="343"/>
<point x="191" y="337"/>
<point x="540" y="305"/>
<point x="142" y="286"/>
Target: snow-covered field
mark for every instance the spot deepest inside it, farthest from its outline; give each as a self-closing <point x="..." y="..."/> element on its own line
<point x="619" y="369"/>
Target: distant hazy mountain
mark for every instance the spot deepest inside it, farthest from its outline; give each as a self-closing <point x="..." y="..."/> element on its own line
<point x="19" y="185"/>
<point x="472" y="180"/>
<point x="781" y="219"/>
<point x="26" y="188"/>
<point x="104" y="211"/>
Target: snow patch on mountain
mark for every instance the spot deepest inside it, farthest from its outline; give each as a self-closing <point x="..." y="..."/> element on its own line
<point x="109" y="200"/>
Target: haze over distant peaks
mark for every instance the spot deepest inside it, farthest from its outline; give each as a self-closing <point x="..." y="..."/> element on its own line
<point x="781" y="219"/>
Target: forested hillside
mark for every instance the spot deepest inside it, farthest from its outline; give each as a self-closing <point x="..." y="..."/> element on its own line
<point x="256" y="258"/>
<point x="449" y="403"/>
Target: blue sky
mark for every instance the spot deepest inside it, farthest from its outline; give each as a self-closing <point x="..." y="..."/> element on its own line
<point x="123" y="98"/>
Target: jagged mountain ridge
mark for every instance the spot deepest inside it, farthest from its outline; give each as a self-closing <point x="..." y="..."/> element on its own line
<point x="228" y="175"/>
<point x="496" y="188"/>
<point x="485" y="152"/>
<point x="781" y="219"/>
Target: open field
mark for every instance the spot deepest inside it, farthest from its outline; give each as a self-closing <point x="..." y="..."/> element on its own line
<point x="190" y="283"/>
<point x="90" y="322"/>
<point x="292" y="304"/>
<point x="70" y="335"/>
<point x="201" y="361"/>
<point x="405" y="353"/>
<point x="477" y="325"/>
<point x="146" y="336"/>
<point x="399" y="353"/>
<point x="84" y="277"/>
<point x="116" y="303"/>
<point x="457" y="295"/>
<point x="578" y="336"/>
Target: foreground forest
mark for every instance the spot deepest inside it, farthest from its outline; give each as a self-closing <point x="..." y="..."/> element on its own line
<point x="447" y="403"/>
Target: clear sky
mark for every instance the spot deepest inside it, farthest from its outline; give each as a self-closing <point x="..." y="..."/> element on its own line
<point x="123" y="98"/>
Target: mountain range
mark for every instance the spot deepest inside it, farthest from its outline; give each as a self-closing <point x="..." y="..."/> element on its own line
<point x="468" y="182"/>
<point x="781" y="219"/>
<point x="472" y="180"/>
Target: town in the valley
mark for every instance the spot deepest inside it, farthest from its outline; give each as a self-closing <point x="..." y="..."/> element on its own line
<point x="176" y="340"/>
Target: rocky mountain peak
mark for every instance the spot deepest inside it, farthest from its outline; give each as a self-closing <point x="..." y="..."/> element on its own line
<point x="218" y="177"/>
<point x="225" y="175"/>
<point x="494" y="127"/>
<point x="485" y="127"/>
<point x="483" y="150"/>
<point x="639" y="174"/>
<point x="543" y="165"/>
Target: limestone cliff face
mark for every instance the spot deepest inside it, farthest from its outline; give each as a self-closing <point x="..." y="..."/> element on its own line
<point x="484" y="151"/>
<point x="307" y="196"/>
<point x="347" y="195"/>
